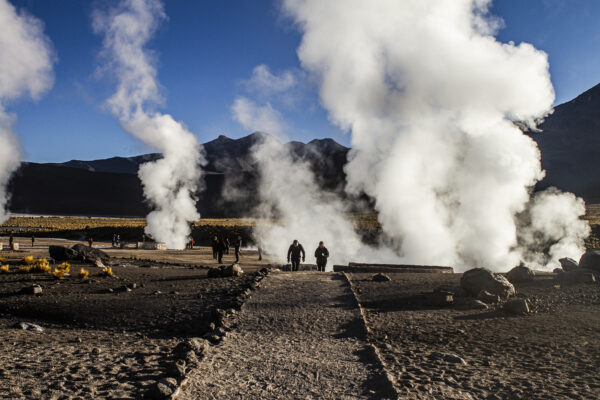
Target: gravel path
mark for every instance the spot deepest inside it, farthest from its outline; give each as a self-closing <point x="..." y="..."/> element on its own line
<point x="300" y="336"/>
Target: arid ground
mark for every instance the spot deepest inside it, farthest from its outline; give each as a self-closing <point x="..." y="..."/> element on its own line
<point x="305" y="335"/>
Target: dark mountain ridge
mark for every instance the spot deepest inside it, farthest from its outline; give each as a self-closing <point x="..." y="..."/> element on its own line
<point x="111" y="186"/>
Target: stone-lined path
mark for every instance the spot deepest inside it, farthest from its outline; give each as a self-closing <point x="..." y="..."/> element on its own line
<point x="300" y="336"/>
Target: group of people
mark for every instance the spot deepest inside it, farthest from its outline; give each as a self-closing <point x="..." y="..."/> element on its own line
<point x="221" y="246"/>
<point x="296" y="252"/>
<point x="116" y="240"/>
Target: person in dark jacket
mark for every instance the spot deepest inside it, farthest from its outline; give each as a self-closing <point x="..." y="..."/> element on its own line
<point x="220" y="250"/>
<point x="294" y="253"/>
<point x="237" y="245"/>
<point x="215" y="246"/>
<point x="321" y="254"/>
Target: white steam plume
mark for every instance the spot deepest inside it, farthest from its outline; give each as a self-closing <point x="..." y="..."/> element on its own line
<point x="429" y="95"/>
<point x="303" y="210"/>
<point x="169" y="183"/>
<point x="26" y="59"/>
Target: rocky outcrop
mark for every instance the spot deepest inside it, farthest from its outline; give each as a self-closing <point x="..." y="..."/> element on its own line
<point x="520" y="274"/>
<point x="479" y="279"/>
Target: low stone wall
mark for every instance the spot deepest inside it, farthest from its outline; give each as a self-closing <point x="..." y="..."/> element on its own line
<point x="391" y="268"/>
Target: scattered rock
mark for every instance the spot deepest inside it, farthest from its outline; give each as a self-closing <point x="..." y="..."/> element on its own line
<point x="520" y="274"/>
<point x="590" y="260"/>
<point x="568" y="264"/>
<point x="439" y="299"/>
<point x="487" y="297"/>
<point x="558" y="270"/>
<point x="448" y="357"/>
<point x="469" y="303"/>
<point x="34" y="289"/>
<point x="477" y="279"/>
<point x="98" y="262"/>
<point x="177" y="369"/>
<point x="457" y="291"/>
<point x="516" y="306"/>
<point x="380" y="277"/>
<point x="232" y="270"/>
<point x="162" y="389"/>
<point x="90" y="254"/>
<point x="28" y="326"/>
<point x="225" y="271"/>
<point x="62" y="253"/>
<point x="579" y="275"/>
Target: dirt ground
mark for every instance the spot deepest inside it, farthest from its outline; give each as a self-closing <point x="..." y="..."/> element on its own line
<point x="296" y="337"/>
<point x="101" y="339"/>
<point x="552" y="353"/>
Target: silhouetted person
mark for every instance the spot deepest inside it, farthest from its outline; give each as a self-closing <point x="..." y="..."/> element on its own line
<point x="118" y="240"/>
<point x="11" y="241"/>
<point x="90" y="241"/>
<point x="220" y="250"/>
<point x="114" y="241"/>
<point x="227" y="244"/>
<point x="32" y="240"/>
<point x="321" y="254"/>
<point x="259" y="253"/>
<point x="215" y="246"/>
<point x="236" y="247"/>
<point x="294" y="253"/>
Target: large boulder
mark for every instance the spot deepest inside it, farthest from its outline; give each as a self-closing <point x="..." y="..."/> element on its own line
<point x="477" y="279"/>
<point x="590" y="260"/>
<point x="90" y="254"/>
<point x="568" y="264"/>
<point x="520" y="274"/>
<point x="62" y="253"/>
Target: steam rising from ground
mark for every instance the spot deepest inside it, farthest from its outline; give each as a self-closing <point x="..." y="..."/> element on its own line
<point x="169" y="183"/>
<point x="430" y="95"/>
<point x="305" y="211"/>
<point x="26" y="59"/>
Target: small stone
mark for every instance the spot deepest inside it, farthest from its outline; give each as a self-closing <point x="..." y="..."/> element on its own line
<point x="28" y="326"/>
<point x="380" y="277"/>
<point x="516" y="306"/>
<point x="448" y="357"/>
<point x="487" y="297"/>
<point x="34" y="289"/>
<point x="177" y="369"/>
<point x="95" y="350"/>
<point x="439" y="299"/>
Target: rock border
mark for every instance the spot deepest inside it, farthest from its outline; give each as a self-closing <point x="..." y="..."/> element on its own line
<point x="389" y="377"/>
<point x="192" y="354"/>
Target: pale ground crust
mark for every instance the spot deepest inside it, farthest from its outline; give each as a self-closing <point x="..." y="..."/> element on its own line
<point x="300" y="336"/>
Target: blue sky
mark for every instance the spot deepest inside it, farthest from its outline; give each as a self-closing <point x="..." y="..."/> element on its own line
<point x="207" y="52"/>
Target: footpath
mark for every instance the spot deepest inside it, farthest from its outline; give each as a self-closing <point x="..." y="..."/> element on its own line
<point x="299" y="336"/>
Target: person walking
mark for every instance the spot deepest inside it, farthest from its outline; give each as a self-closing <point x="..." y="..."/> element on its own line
<point x="294" y="253"/>
<point x="236" y="247"/>
<point x="11" y="241"/>
<point x="321" y="254"/>
<point x="90" y="241"/>
<point x="114" y="241"/>
<point x="215" y="245"/>
<point x="259" y="253"/>
<point x="32" y="240"/>
<point x="220" y="250"/>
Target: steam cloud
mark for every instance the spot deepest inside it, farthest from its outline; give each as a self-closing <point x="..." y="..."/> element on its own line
<point x="430" y="97"/>
<point x="171" y="182"/>
<point x="25" y="68"/>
